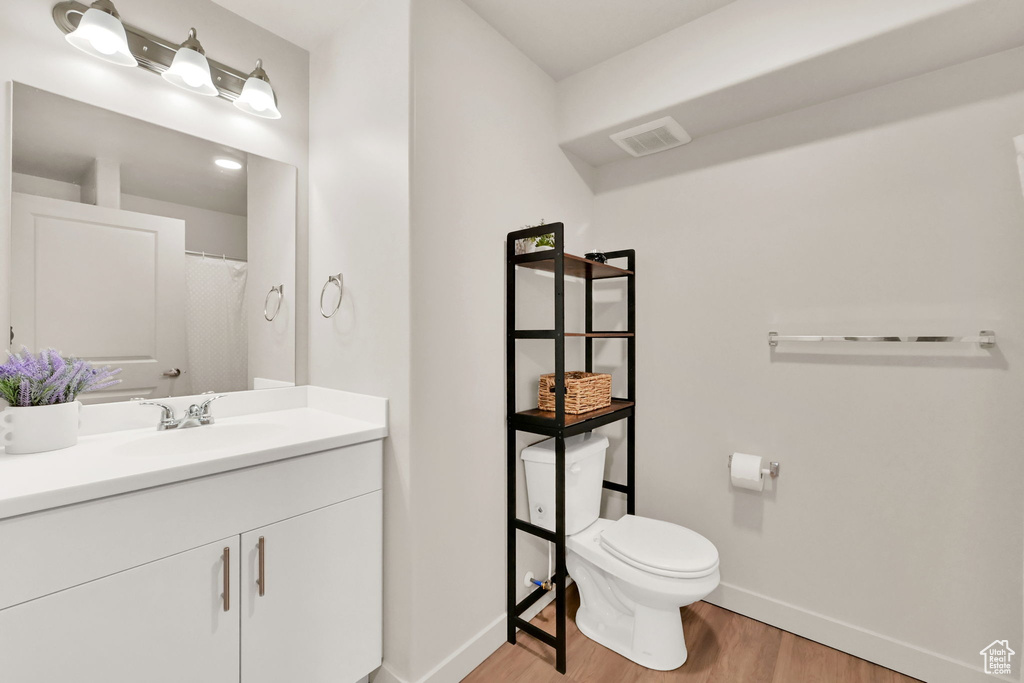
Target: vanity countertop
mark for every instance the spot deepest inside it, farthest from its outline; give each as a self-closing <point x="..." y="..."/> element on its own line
<point x="251" y="428"/>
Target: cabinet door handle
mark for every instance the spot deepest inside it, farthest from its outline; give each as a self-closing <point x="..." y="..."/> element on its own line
<point x="262" y="580"/>
<point x="227" y="579"/>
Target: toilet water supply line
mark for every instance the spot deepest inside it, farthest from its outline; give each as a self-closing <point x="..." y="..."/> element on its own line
<point x="546" y="584"/>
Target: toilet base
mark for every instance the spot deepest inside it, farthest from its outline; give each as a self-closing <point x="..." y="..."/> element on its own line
<point x="659" y="631"/>
<point x="652" y="637"/>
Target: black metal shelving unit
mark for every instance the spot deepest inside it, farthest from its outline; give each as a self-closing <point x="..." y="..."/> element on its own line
<point x="557" y="424"/>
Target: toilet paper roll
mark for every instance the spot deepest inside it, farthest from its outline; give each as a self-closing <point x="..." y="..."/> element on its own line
<point x="745" y="472"/>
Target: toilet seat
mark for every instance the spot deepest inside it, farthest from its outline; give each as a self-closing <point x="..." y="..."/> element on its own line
<point x="660" y="548"/>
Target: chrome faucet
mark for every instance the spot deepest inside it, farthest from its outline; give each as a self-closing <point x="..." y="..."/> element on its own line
<point x="199" y="414"/>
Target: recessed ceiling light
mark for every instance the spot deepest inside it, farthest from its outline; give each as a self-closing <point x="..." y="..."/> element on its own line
<point x="229" y="164"/>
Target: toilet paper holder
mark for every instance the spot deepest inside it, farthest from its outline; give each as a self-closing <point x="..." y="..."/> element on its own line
<point x="773" y="467"/>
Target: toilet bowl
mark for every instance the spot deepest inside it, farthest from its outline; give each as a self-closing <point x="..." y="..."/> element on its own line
<point x="631" y="604"/>
<point x="633" y="573"/>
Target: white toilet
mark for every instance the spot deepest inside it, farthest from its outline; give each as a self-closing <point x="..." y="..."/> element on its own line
<point x="633" y="574"/>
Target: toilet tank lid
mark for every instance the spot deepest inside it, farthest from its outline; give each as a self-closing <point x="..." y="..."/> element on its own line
<point x="576" y="448"/>
<point x="660" y="547"/>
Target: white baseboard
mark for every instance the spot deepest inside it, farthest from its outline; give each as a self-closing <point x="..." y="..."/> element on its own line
<point x="888" y="652"/>
<point x="460" y="663"/>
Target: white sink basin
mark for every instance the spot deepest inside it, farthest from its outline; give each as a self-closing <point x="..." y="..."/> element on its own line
<point x="119" y="450"/>
<point x="213" y="437"/>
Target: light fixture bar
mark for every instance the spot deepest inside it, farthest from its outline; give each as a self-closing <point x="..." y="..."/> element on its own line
<point x="153" y="53"/>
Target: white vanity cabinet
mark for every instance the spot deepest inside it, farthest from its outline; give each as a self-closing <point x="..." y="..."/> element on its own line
<point x="161" y="622"/>
<point x="131" y="587"/>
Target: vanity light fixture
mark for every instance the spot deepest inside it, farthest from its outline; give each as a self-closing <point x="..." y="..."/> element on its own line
<point x="101" y="34"/>
<point x="98" y="30"/>
<point x="229" y="164"/>
<point x="189" y="68"/>
<point x="258" y="96"/>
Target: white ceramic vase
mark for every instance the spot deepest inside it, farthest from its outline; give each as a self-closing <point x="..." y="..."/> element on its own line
<point x="524" y="246"/>
<point x="34" y="429"/>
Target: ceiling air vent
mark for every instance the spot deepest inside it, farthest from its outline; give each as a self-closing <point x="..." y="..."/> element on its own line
<point x="651" y="137"/>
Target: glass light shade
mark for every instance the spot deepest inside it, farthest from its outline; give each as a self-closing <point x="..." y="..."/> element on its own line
<point x="102" y="35"/>
<point x="258" y="99"/>
<point x="191" y="71"/>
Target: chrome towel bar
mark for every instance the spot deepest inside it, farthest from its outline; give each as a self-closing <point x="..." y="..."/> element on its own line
<point x="986" y="339"/>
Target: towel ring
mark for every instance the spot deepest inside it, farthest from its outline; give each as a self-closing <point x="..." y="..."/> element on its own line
<point x="339" y="282"/>
<point x="266" y="303"/>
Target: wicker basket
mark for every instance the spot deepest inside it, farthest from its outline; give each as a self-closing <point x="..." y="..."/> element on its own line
<point x="585" y="391"/>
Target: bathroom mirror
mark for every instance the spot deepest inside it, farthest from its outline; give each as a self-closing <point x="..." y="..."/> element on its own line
<point x="143" y="248"/>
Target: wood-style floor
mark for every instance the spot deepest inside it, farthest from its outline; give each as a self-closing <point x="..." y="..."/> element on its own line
<point x="724" y="647"/>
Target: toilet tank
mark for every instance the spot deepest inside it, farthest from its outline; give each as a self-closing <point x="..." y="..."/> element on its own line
<point x="584" y="478"/>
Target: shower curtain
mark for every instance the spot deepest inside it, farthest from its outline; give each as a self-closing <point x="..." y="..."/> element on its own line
<point x="215" y="322"/>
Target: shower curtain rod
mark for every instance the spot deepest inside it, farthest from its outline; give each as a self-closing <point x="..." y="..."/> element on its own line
<point x="219" y="256"/>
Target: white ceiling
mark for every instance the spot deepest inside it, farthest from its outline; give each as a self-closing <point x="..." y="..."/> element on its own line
<point x="567" y="36"/>
<point x="58" y="138"/>
<point x="304" y="22"/>
<point x="562" y="36"/>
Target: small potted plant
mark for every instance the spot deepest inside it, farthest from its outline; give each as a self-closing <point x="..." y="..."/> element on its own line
<point x="41" y="391"/>
<point x="545" y="241"/>
<point x="528" y="245"/>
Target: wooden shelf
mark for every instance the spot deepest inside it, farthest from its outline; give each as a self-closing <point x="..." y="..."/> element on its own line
<point x="575" y="266"/>
<point x="600" y="335"/>
<point x="550" y="334"/>
<point x="537" y="416"/>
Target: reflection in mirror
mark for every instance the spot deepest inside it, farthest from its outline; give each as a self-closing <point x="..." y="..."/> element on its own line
<point x="143" y="248"/>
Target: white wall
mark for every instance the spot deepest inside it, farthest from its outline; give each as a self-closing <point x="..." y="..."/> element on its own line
<point x="443" y="511"/>
<point x="271" y="249"/>
<point x="485" y="162"/>
<point x="359" y="226"/>
<point x="894" y="529"/>
<point x="33" y="51"/>
<point x="214" y="232"/>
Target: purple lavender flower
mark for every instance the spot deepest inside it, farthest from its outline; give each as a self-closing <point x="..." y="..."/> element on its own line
<point x="48" y="378"/>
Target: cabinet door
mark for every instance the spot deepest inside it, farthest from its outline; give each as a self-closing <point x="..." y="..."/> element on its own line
<point x="163" y="622"/>
<point x="319" y="618"/>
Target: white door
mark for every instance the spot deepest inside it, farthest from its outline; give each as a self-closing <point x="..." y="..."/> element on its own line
<point x="101" y="284"/>
<point x="163" y="622"/>
<point x="318" y="620"/>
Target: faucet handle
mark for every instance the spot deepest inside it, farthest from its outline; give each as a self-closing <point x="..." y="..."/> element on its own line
<point x="168" y="411"/>
<point x="206" y="403"/>
<point x="204" y="407"/>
